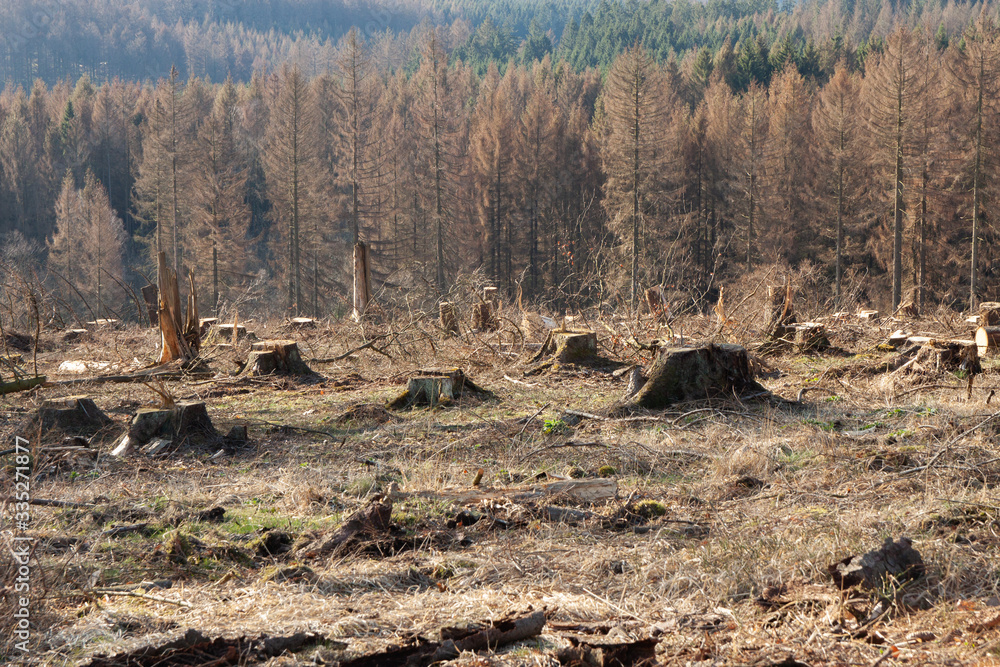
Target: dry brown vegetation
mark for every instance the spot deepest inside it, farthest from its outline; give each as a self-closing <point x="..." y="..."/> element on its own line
<point x="726" y="517"/>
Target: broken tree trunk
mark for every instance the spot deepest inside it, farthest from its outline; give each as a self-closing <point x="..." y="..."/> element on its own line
<point x="150" y="294"/>
<point x="657" y="302"/>
<point x="449" y="318"/>
<point x="174" y="328"/>
<point x="987" y="340"/>
<point x="362" y="280"/>
<point x="780" y="312"/>
<point x="692" y="374"/>
<point x="275" y="356"/>
<point x="483" y="317"/>
<point x="989" y="314"/>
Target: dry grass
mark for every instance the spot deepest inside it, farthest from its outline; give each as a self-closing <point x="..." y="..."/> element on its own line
<point x="760" y="499"/>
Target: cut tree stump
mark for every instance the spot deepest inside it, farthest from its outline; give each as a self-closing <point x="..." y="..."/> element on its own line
<point x="657" y="302"/>
<point x="987" y="340"/>
<point x="302" y="323"/>
<point x="449" y="318"/>
<point x="492" y="295"/>
<point x="223" y="333"/>
<point x="103" y="323"/>
<point x="938" y="356"/>
<point x="72" y="335"/>
<point x="183" y="423"/>
<point x="868" y="315"/>
<point x="681" y="374"/>
<point x="810" y="337"/>
<point x="206" y="323"/>
<point x="78" y="415"/>
<point x="895" y="560"/>
<point x="275" y="356"/>
<point x="989" y="314"/>
<point x="568" y="346"/>
<point x="435" y="386"/>
<point x="483" y="317"/>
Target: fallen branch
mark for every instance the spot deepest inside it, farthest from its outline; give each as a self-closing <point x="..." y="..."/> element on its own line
<point x="44" y="502"/>
<point x="370" y="345"/>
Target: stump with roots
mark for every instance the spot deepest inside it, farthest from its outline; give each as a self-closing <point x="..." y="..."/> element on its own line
<point x="186" y="423"/>
<point x="679" y="375"/>
<point x="269" y="357"/>
<point x="568" y="346"/>
<point x="437" y="386"/>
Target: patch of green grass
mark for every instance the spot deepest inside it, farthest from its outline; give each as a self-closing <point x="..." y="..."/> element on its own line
<point x="555" y="427"/>
<point x="824" y="425"/>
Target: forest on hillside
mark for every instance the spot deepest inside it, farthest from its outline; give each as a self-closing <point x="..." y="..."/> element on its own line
<point x="568" y="152"/>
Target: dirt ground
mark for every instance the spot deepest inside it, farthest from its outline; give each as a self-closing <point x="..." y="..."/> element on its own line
<point x="716" y="545"/>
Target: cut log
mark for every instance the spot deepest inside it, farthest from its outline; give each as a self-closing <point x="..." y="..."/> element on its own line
<point x="810" y="337"/>
<point x="449" y="318"/>
<point x="483" y="317"/>
<point x="186" y="423"/>
<point x="692" y="374"/>
<point x="897" y="560"/>
<point x="150" y="294"/>
<point x="275" y="356"/>
<point x="989" y="314"/>
<point x="987" y="340"/>
<point x="436" y="385"/>
<point x="362" y="281"/>
<point x="588" y="491"/>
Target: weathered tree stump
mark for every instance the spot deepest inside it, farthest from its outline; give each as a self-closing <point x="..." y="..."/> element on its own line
<point x="657" y="302"/>
<point x="302" y="323"/>
<point x="73" y="335"/>
<point x="206" y="323"/>
<point x="868" y="315"/>
<point x="810" y="336"/>
<point x="780" y="312"/>
<point x="436" y="386"/>
<point x="492" y="295"/>
<point x="987" y="340"/>
<point x="681" y="374"/>
<point x="449" y="318"/>
<point x="483" y="317"/>
<point x="103" y="323"/>
<point x="989" y="314"/>
<point x="183" y="423"/>
<point x="275" y="356"/>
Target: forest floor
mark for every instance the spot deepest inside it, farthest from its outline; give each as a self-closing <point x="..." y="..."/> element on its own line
<point x="715" y="548"/>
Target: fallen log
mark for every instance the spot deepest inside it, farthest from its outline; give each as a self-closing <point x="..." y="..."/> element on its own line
<point x="23" y="384"/>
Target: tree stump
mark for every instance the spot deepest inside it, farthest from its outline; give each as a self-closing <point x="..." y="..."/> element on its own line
<point x="868" y="315"/>
<point x="73" y="335"/>
<point x="223" y="333"/>
<point x="206" y="323"/>
<point x="483" y="317"/>
<point x="183" y="423"/>
<point x="989" y="314"/>
<point x="987" y="340"/>
<point x="275" y="356"/>
<point x="492" y="295"/>
<point x="449" y="318"/>
<point x="435" y="386"/>
<point x="780" y="313"/>
<point x="568" y="346"/>
<point x="151" y="295"/>
<point x="657" y="302"/>
<point x="682" y="374"/>
<point x="871" y="570"/>
<point x="810" y="336"/>
<point x="302" y="323"/>
<point x="72" y="415"/>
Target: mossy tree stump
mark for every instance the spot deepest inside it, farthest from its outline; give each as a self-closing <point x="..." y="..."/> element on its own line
<point x="275" y="356"/>
<point x="686" y="374"/>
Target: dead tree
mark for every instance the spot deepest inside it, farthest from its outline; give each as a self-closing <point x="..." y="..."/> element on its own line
<point x="180" y="334"/>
